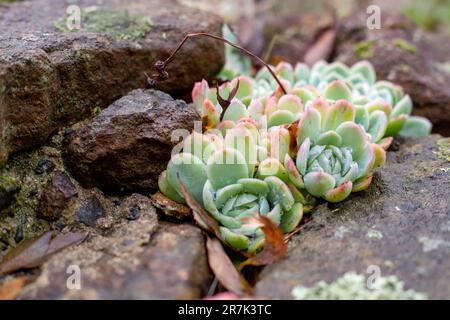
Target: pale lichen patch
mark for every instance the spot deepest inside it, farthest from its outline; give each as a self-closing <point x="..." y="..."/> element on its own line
<point x="123" y="25"/>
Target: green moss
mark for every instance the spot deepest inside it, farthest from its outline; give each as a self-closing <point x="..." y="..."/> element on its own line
<point x="122" y="25"/>
<point x="431" y="14"/>
<point x="443" y="149"/>
<point x="20" y="213"/>
<point x="364" y="49"/>
<point x="404" y="44"/>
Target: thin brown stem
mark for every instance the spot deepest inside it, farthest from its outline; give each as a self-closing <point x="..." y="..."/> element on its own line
<point x="204" y="34"/>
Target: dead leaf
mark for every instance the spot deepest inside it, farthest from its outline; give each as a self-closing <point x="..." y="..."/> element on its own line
<point x="293" y="233"/>
<point x="321" y="49"/>
<point x="33" y="252"/>
<point x="224" y="270"/>
<point x="274" y="245"/>
<point x="293" y="128"/>
<point x="10" y="288"/>
<point x="201" y="216"/>
<point x="63" y="241"/>
<point x="323" y="45"/>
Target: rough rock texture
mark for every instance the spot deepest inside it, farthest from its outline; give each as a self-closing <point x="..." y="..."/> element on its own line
<point x="135" y="262"/>
<point x="56" y="196"/>
<point x="171" y="209"/>
<point x="90" y="212"/>
<point x="402" y="54"/>
<point x="50" y="77"/>
<point x="401" y="224"/>
<point x="8" y="190"/>
<point x="128" y="144"/>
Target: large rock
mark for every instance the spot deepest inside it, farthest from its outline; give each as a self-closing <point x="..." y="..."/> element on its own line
<point x="133" y="263"/>
<point x="128" y="144"/>
<point x="50" y="77"/>
<point x="402" y="54"/>
<point x="400" y="224"/>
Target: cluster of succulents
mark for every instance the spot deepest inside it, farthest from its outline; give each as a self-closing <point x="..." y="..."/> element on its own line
<point x="272" y="150"/>
<point x="233" y="176"/>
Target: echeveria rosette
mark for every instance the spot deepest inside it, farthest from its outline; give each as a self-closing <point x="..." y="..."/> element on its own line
<point x="219" y="172"/>
<point x="335" y="155"/>
<point x="272" y="110"/>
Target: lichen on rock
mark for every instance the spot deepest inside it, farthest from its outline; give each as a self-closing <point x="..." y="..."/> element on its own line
<point x="443" y="149"/>
<point x="352" y="286"/>
<point x="119" y="24"/>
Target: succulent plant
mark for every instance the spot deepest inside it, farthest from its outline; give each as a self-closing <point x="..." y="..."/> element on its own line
<point x="220" y="173"/>
<point x="335" y="81"/>
<point x="335" y="155"/>
<point x="358" y="85"/>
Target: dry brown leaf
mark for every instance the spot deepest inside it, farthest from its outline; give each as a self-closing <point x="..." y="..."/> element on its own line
<point x="33" y="252"/>
<point x="201" y="216"/>
<point x="274" y="244"/>
<point x="323" y="45"/>
<point x="224" y="270"/>
<point x="10" y="288"/>
<point x="322" y="48"/>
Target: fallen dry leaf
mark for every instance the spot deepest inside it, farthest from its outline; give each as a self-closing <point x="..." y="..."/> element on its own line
<point x="274" y="244"/>
<point x="224" y="270"/>
<point x="33" y="252"/>
<point x="323" y="45"/>
<point x="10" y="288"/>
<point x="322" y="48"/>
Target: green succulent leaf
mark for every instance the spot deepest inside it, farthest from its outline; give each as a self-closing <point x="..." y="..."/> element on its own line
<point x="416" y="126"/>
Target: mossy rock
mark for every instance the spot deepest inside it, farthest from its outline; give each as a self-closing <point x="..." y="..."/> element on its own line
<point x="119" y="24"/>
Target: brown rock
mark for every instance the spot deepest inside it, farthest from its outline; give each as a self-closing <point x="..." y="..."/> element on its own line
<point x="132" y="263"/>
<point x="90" y="212"/>
<point x="56" y="196"/>
<point x="50" y="78"/>
<point x="170" y="208"/>
<point x="400" y="224"/>
<point x="404" y="56"/>
<point x="128" y="144"/>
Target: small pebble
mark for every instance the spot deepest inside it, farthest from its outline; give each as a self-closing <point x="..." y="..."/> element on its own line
<point x="44" y="166"/>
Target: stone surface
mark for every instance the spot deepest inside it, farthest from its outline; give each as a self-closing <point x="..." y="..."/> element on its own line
<point x="90" y="212"/>
<point x="171" y="209"/>
<point x="128" y="144"/>
<point x="134" y="262"/>
<point x="56" y="196"/>
<point x="401" y="54"/>
<point x="400" y="224"/>
<point x="8" y="190"/>
<point x="50" y="77"/>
